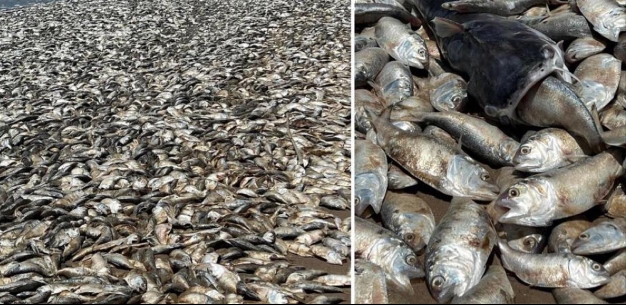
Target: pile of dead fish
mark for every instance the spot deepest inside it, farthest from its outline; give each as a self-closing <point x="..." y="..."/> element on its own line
<point x="174" y="152"/>
<point x="550" y="161"/>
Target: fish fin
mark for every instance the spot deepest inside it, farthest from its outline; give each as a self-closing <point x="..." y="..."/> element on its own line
<point x="560" y="44"/>
<point x="527" y="135"/>
<point x="459" y="144"/>
<point x="446" y="28"/>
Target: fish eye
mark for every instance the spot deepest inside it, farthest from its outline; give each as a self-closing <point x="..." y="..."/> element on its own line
<point x="525" y="150"/>
<point x="485" y="177"/>
<point x="584" y="236"/>
<point x="409" y="236"/>
<point x="438" y="281"/>
<point x="530" y="242"/>
<point x="422" y="52"/>
<point x="596" y="267"/>
<point x="513" y="192"/>
<point x="411" y="260"/>
<point x="456" y="99"/>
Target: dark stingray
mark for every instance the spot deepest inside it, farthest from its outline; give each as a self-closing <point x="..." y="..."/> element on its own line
<point x="502" y="58"/>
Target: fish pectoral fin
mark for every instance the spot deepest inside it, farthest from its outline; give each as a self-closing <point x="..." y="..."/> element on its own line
<point x="446" y="28"/>
<point x="575" y="158"/>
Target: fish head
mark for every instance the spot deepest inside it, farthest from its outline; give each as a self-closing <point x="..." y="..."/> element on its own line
<point x="403" y="261"/>
<point x="369" y="191"/>
<point x="587" y="273"/>
<point x="450" y="96"/>
<point x="508" y="149"/>
<point x="530" y="202"/>
<point x="415" y="230"/>
<point x="602" y="238"/>
<point x="539" y="153"/>
<point x="532" y="243"/>
<point x="467" y="178"/>
<point x="446" y="282"/>
<point x="413" y="51"/>
<point x="276" y="297"/>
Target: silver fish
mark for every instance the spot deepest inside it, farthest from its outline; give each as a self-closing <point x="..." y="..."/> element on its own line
<point x="605" y="237"/>
<point x="370" y="182"/>
<point x="404" y="45"/>
<point x="409" y="217"/>
<point x="548" y="149"/>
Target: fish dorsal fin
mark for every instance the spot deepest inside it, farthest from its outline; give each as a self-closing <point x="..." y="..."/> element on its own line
<point x="446" y="28"/>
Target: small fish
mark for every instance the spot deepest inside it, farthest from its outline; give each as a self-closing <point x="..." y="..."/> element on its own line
<point x="456" y="257"/>
<point x="545" y="104"/>
<point x="394" y="83"/>
<point x="497" y="7"/>
<point x="604" y="237"/>
<point x="560" y="27"/>
<point x="448" y="92"/>
<point x="434" y="163"/>
<point x="401" y="43"/>
<point x="575" y="296"/>
<point x="524" y="239"/>
<point x="547" y="149"/>
<point x="367" y="64"/>
<point x="370" y="182"/>
<point x="369" y="13"/>
<point x="398" y="179"/>
<point x="543" y="198"/>
<point x="608" y="17"/>
<point x="485" y="140"/>
<point x="409" y="217"/>
<point x="584" y="47"/>
<point x="381" y="247"/>
<point x="493" y="288"/>
<point x="599" y="77"/>
<point x="563" y="236"/>
<point x="553" y="270"/>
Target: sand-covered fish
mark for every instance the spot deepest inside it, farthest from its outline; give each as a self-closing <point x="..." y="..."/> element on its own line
<point x="456" y="257"/>
<point x="403" y="44"/>
<point x="604" y="237"/>
<point x="543" y="198"/>
<point x="553" y="270"/>
<point x="433" y="162"/>
<point x="547" y="149"/>
<point x="409" y="217"/>
<point x="607" y="16"/>
<point x="370" y="176"/>
<point x="380" y="246"/>
<point x="599" y="77"/>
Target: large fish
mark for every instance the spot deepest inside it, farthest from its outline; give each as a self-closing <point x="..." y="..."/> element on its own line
<point x="502" y="58"/>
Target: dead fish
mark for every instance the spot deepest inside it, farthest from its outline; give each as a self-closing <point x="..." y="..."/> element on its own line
<point x="409" y="217"/>
<point x="615" y="206"/>
<point x="599" y="77"/>
<point x="524" y="239"/>
<point x="370" y="283"/>
<point x="380" y="246"/>
<point x="535" y="110"/>
<point x="456" y="257"/>
<point x="560" y="198"/>
<point x="563" y="236"/>
<point x="434" y="163"/>
<point x="616" y="263"/>
<point x="448" y="92"/>
<point x="583" y="48"/>
<point x="370" y="176"/>
<point x="364" y="99"/>
<point x="608" y="17"/>
<point x="493" y="288"/>
<point x="547" y="149"/>
<point x="615" y="288"/>
<point x="498" y="7"/>
<point x="561" y="27"/>
<point x="370" y="13"/>
<point x="401" y="43"/>
<point x="554" y="270"/>
<point x="367" y="64"/>
<point x="394" y="83"/>
<point x="613" y="116"/>
<point x="398" y="179"/>
<point x="575" y="296"/>
<point x="605" y="237"/>
<point x="478" y="136"/>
